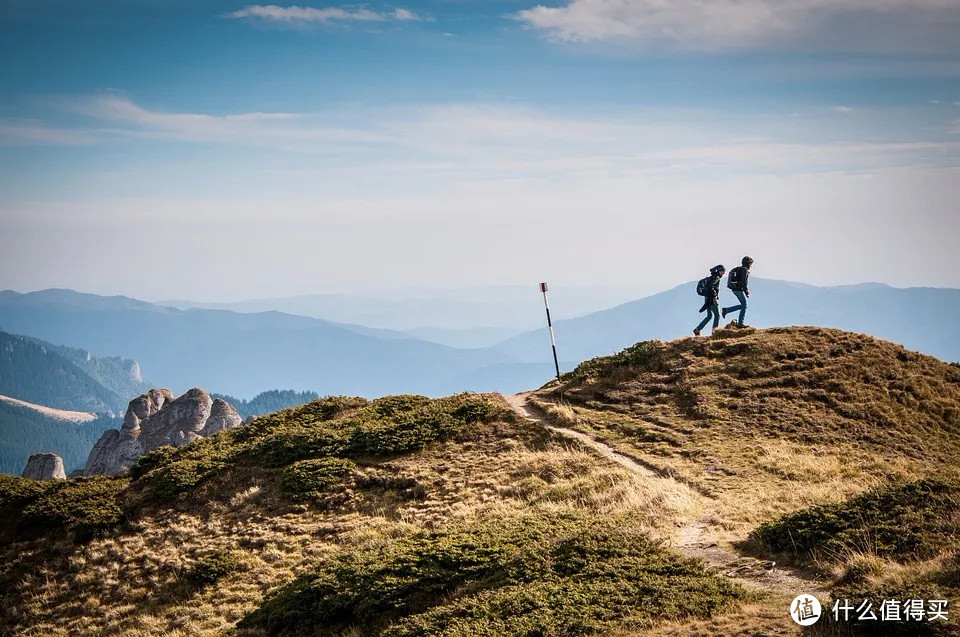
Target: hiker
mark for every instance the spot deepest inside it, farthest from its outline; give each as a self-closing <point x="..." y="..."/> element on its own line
<point x="709" y="289"/>
<point x="737" y="282"/>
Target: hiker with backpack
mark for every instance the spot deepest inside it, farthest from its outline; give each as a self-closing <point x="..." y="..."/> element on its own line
<point x="709" y="288"/>
<point x="737" y="282"/>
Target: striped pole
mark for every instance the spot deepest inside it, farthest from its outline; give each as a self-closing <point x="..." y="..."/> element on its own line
<point x="553" y="343"/>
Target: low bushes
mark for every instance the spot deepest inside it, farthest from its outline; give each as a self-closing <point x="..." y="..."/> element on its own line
<point x="900" y="520"/>
<point x="537" y="575"/>
<point x="212" y="567"/>
<point x="84" y="506"/>
<point x="310" y="479"/>
<point x="644" y="356"/>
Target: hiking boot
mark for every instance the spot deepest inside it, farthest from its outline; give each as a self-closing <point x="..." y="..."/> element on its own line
<point x="696" y="332"/>
<point x="723" y="312"/>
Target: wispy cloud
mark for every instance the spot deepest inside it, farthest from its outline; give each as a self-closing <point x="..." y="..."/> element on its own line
<point x="304" y="15"/>
<point x="119" y="116"/>
<point x="480" y="141"/>
<point x="742" y="24"/>
<point x="842" y="109"/>
<point x="17" y="131"/>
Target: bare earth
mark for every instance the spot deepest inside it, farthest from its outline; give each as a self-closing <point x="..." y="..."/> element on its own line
<point x="59" y="414"/>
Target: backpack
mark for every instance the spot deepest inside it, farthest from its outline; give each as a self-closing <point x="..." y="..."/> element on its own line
<point x="735" y="278"/>
<point x="703" y="286"/>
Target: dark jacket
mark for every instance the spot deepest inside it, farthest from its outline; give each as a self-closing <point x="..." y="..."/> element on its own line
<point x="745" y="276"/>
<point x="713" y="295"/>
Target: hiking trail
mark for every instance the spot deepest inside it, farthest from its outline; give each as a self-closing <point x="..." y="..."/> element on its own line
<point x="754" y="573"/>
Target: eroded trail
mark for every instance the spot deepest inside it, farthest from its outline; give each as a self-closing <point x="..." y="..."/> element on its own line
<point x="755" y="573"/>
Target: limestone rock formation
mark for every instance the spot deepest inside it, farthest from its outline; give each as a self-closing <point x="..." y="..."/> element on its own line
<point x="156" y="419"/>
<point x="44" y="466"/>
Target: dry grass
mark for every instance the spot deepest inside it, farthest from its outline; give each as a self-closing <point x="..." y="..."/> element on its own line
<point x="133" y="583"/>
<point x="770" y="421"/>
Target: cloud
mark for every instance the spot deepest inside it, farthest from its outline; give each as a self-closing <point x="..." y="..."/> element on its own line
<point x="471" y="141"/>
<point x="304" y="15"/>
<point x="743" y="24"/>
<point x="28" y="132"/>
<point x="121" y="117"/>
<point x="842" y="109"/>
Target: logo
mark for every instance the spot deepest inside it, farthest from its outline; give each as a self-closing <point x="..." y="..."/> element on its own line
<point x="805" y="610"/>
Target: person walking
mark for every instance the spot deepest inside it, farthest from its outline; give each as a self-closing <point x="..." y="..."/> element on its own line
<point x="737" y="282"/>
<point x="709" y="289"/>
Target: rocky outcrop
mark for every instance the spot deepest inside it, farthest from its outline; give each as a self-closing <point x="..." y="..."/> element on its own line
<point x="156" y="419"/>
<point x="45" y="466"/>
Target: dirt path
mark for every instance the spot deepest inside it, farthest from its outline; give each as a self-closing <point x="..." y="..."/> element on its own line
<point x="750" y="571"/>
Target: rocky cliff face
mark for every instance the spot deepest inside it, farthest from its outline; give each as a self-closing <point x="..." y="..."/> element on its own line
<point x="156" y="419"/>
<point x="44" y="466"/>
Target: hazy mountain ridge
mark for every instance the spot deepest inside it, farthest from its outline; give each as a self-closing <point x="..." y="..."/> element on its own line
<point x="923" y="319"/>
<point x="484" y="308"/>
<point x="66" y="377"/>
<point x="241" y="354"/>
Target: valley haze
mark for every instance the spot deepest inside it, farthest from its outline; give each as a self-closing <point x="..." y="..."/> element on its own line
<point x="244" y="353"/>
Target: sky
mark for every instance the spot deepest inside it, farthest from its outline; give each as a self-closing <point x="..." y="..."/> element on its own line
<point x="218" y="151"/>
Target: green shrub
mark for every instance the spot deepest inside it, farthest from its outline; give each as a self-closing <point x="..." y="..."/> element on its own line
<point x="17" y="492"/>
<point x="85" y="505"/>
<point x="151" y="460"/>
<point x="213" y="567"/>
<point x="307" y="479"/>
<point x="403" y="424"/>
<point x="295" y="442"/>
<point x="645" y="355"/>
<point x="174" y="472"/>
<point x="900" y="520"/>
<point x="308" y="415"/>
<point x="536" y="575"/>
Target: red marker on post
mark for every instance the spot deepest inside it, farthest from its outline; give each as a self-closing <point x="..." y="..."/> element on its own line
<point x="553" y="343"/>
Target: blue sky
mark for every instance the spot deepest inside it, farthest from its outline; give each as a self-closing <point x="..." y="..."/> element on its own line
<point x="150" y="147"/>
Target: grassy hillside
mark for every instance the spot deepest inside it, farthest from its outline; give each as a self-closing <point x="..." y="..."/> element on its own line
<point x="784" y="432"/>
<point x="403" y="515"/>
<point x="456" y="516"/>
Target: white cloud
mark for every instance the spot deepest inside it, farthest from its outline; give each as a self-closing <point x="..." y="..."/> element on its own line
<point x="743" y="24"/>
<point x="495" y="141"/>
<point x="16" y="131"/>
<point x="842" y="109"/>
<point x="302" y="15"/>
<point x="122" y="117"/>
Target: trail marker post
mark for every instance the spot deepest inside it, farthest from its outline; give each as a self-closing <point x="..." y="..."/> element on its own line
<point x="553" y="342"/>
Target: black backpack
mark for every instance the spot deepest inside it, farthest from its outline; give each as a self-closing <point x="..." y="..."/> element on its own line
<point x="735" y="278"/>
<point x="703" y="286"/>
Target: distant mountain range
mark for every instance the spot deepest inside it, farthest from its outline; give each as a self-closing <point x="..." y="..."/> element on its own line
<point x="923" y="319"/>
<point x="470" y="317"/>
<point x="241" y="354"/>
<point x="66" y="377"/>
